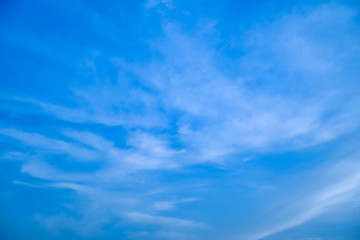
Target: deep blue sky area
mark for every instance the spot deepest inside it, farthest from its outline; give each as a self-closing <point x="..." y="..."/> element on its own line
<point x="184" y="120"/>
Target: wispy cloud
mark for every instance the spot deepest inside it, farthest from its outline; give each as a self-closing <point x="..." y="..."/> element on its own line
<point x="190" y="83"/>
<point x="337" y="184"/>
<point x="169" y="205"/>
<point x="154" y="3"/>
<point x="133" y="147"/>
<point x="51" y="145"/>
<point x="168" y="221"/>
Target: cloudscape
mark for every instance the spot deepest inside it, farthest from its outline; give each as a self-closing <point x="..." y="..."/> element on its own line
<point x="180" y="119"/>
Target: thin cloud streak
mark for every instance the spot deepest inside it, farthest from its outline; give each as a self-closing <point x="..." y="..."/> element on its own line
<point x="172" y="132"/>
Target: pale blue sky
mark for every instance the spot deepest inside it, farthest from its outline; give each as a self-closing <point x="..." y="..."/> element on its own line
<point x="169" y="119"/>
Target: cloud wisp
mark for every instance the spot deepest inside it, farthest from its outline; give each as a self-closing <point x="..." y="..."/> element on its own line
<point x="148" y="148"/>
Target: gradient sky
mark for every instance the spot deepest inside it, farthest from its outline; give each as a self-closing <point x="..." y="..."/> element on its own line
<point x="180" y="119"/>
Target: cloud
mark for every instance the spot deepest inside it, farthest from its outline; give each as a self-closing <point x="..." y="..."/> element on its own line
<point x="148" y="152"/>
<point x="233" y="115"/>
<point x="15" y="156"/>
<point x="26" y="184"/>
<point x="183" y="109"/>
<point x="170" y="205"/>
<point x="51" y="145"/>
<point x="337" y="184"/>
<point x="106" y="107"/>
<point x="223" y="115"/>
<point x="90" y="139"/>
<point x="86" y="227"/>
<point x="155" y="3"/>
<point x="152" y="146"/>
<point x="167" y="221"/>
<point x="216" y="114"/>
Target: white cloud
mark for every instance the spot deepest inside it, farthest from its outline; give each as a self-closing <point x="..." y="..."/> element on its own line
<point x="337" y="184"/>
<point x="51" y="145"/>
<point x="170" y="205"/>
<point x="224" y="114"/>
<point x="15" y="156"/>
<point x="154" y="3"/>
<point x="149" y="152"/>
<point x="89" y="226"/>
<point x="165" y="221"/>
<point x="90" y="139"/>
<point x="287" y="95"/>
<point x="107" y="104"/>
<point x="43" y="170"/>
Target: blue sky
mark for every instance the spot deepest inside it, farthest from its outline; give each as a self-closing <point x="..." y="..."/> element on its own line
<point x="169" y="119"/>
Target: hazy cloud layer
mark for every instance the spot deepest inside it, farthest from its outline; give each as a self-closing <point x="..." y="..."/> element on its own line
<point x="185" y="140"/>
